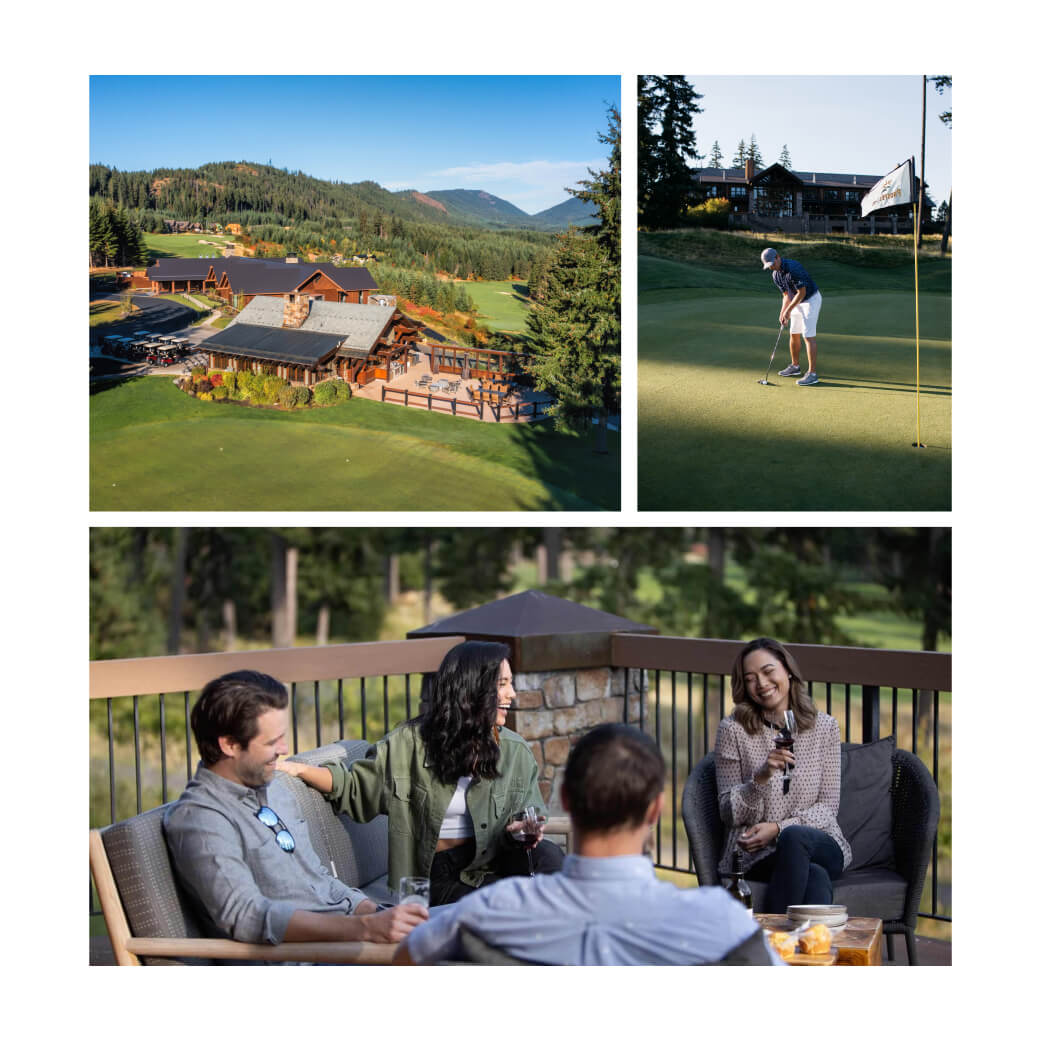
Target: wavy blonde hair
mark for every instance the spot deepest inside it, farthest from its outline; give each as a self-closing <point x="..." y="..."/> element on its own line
<point x="746" y="711"/>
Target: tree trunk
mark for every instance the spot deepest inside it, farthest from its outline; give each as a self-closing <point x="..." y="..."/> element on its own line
<point x="173" y="629"/>
<point x="230" y="632"/>
<point x="947" y="226"/>
<point x="283" y="592"/>
<point x="428" y="579"/>
<point x="549" y="556"/>
<point x="392" y="578"/>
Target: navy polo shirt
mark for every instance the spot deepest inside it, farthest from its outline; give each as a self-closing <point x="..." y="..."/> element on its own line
<point x="790" y="276"/>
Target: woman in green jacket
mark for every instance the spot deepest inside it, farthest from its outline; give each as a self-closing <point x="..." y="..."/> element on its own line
<point x="449" y="781"/>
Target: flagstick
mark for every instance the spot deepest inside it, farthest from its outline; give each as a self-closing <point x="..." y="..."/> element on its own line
<point x="917" y="369"/>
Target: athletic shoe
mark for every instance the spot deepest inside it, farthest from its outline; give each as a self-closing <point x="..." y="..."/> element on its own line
<point x="792" y="370"/>
<point x="808" y="380"/>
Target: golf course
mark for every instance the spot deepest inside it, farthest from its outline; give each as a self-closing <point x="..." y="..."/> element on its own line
<point x="152" y="447"/>
<point x="712" y="437"/>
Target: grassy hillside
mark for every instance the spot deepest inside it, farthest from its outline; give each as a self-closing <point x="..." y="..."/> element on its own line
<point x="706" y="259"/>
<point x="154" y="448"/>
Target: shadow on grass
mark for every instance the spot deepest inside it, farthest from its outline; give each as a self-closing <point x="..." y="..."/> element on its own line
<point x="110" y="382"/>
<point x="570" y="464"/>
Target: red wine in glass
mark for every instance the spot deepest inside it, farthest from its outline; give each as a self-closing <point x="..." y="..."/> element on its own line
<point x="528" y="835"/>
<point x="786" y="739"/>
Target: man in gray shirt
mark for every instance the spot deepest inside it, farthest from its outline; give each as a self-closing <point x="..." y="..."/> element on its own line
<point x="237" y="841"/>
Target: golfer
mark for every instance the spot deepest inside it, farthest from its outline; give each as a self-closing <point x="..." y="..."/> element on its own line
<point x="800" y="302"/>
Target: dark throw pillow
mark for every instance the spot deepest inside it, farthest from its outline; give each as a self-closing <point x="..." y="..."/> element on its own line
<point x="865" y="805"/>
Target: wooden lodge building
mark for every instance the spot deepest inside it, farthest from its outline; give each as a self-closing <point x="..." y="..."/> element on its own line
<point x="306" y="339"/>
<point x="241" y="279"/>
<point x="788" y="200"/>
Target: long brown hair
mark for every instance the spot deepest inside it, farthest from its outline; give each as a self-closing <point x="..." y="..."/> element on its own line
<point x="746" y="711"/>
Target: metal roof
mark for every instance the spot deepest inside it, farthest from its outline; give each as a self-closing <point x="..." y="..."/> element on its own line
<point x="258" y="275"/>
<point x="294" y="346"/>
<point x="359" y="325"/>
<point x="261" y="310"/>
<point x="531" y="613"/>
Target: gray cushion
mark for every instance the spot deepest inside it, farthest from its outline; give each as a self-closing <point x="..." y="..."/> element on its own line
<point x="865" y="808"/>
<point x="872" y="893"/>
<point x="358" y="850"/>
<point x="152" y="901"/>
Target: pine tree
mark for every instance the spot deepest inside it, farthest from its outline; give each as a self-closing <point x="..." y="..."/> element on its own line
<point x="741" y="155"/>
<point x="786" y="159"/>
<point x="754" y="154"/>
<point x="716" y="159"/>
<point x="575" y="326"/>
<point x="667" y="144"/>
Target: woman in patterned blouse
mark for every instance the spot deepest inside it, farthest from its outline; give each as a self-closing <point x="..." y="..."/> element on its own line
<point x="789" y="839"/>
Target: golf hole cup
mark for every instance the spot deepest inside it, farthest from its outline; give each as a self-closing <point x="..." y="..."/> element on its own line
<point x="414" y="890"/>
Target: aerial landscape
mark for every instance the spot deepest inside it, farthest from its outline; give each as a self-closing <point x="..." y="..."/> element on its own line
<point x="290" y="333"/>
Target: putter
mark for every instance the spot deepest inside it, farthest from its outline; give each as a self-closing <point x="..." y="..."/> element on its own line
<point x="765" y="380"/>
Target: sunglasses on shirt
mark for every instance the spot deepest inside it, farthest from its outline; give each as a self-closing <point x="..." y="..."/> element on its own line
<point x="270" y="819"/>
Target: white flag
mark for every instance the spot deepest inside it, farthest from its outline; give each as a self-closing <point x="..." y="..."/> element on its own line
<point x="895" y="189"/>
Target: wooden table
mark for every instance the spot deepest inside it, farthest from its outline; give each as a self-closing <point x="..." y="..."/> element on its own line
<point x="860" y="943"/>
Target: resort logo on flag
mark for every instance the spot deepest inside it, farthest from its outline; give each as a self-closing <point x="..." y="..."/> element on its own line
<point x="892" y="190"/>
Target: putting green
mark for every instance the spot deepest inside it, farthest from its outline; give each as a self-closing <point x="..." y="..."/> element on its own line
<point x="711" y="437"/>
<point x="152" y="448"/>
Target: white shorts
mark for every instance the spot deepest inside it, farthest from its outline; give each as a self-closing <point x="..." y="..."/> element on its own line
<point x="804" y="317"/>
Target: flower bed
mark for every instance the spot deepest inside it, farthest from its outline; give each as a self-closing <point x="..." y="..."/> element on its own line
<point x="250" y="388"/>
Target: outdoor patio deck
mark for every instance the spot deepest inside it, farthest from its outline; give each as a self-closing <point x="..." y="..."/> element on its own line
<point x="410" y="381"/>
<point x="671" y="687"/>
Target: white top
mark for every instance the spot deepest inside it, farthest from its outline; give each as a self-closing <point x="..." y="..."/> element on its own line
<point x="458" y="824"/>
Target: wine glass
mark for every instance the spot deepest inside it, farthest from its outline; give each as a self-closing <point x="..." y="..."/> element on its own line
<point x="413" y="889"/>
<point x="786" y="739"/>
<point x="528" y="833"/>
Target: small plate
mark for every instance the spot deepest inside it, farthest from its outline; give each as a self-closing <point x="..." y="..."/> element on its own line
<point x="831" y="915"/>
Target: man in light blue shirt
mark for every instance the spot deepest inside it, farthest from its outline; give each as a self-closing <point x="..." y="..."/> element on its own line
<point x="605" y="907"/>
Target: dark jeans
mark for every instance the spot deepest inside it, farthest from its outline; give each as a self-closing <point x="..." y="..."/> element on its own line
<point x="800" y="871"/>
<point x="446" y="886"/>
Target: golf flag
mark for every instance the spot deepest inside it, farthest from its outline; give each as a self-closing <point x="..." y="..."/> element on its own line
<point x="895" y="189"/>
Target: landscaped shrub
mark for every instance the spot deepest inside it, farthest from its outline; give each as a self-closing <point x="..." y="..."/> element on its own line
<point x="325" y="393"/>
<point x="712" y="213"/>
<point x="203" y="387"/>
<point x="198" y="373"/>
<point x="216" y="377"/>
<point x="220" y="393"/>
<point x="343" y="391"/>
<point x="294" y="397"/>
<point x="269" y="387"/>
<point x="204" y="396"/>
<point x="230" y="381"/>
<point x="249" y="385"/>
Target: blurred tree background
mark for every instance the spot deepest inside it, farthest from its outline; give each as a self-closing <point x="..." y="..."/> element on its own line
<point x="189" y="590"/>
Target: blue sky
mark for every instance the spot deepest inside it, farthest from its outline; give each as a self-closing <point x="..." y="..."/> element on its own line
<point x="831" y="124"/>
<point x="522" y="138"/>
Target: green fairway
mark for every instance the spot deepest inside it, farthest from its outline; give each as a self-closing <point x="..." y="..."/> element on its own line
<point x="155" y="448"/>
<point x="711" y="437"/>
<point x="502" y="306"/>
<point x="160" y="246"/>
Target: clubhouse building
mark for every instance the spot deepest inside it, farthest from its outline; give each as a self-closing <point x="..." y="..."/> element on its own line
<point x="239" y="280"/>
<point x="305" y="339"/>
<point x="788" y="200"/>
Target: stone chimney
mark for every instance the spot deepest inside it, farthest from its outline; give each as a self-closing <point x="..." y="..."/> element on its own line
<point x="749" y="169"/>
<point x="295" y="308"/>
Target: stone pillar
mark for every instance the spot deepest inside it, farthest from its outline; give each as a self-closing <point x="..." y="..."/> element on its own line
<point x="554" y="709"/>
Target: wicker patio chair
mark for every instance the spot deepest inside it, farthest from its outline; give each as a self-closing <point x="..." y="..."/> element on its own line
<point x="891" y="838"/>
<point x="151" y="920"/>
